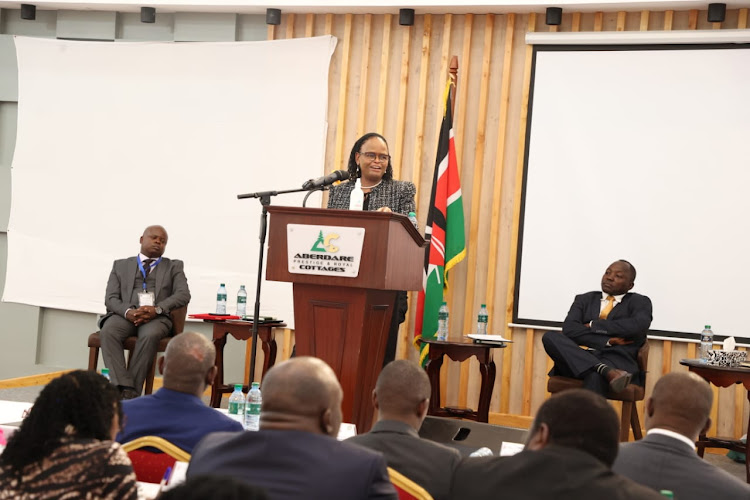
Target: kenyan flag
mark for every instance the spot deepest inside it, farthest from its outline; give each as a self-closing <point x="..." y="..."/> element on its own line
<point x="445" y="231"/>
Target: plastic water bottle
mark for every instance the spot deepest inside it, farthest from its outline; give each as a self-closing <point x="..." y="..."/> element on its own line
<point x="105" y="374"/>
<point x="252" y="408"/>
<point x="221" y="300"/>
<point x="442" y="333"/>
<point x="357" y="198"/>
<point x="413" y="220"/>
<point x="242" y="302"/>
<point x="482" y="320"/>
<point x="237" y="402"/>
<point x="707" y="343"/>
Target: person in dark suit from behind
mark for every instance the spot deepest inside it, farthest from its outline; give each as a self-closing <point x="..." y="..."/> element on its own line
<point x="613" y="324"/>
<point x="676" y="413"/>
<point x="295" y="454"/>
<point x="568" y="456"/>
<point x="214" y="487"/>
<point x="401" y="397"/>
<point x="141" y="291"/>
<point x="176" y="412"/>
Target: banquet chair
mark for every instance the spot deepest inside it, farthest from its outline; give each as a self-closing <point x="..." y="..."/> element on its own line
<point x="149" y="465"/>
<point x="629" y="396"/>
<point x="178" y="326"/>
<point x="406" y="488"/>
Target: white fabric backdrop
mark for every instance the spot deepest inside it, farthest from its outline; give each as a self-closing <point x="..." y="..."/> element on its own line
<point x="113" y="137"/>
<point x="641" y="155"/>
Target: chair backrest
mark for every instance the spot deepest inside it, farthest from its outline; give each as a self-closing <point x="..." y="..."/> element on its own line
<point x="406" y="488"/>
<point x="149" y="466"/>
<point x="178" y="319"/>
<point x="643" y="356"/>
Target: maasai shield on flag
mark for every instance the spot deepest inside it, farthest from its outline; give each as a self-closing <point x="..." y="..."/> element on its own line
<point x="445" y="230"/>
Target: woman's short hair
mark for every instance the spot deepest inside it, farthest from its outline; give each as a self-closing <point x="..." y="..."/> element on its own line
<point x="79" y="404"/>
<point x="352" y="165"/>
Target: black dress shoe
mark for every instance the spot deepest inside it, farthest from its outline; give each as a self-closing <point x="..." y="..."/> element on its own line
<point x="128" y="393"/>
<point x="618" y="379"/>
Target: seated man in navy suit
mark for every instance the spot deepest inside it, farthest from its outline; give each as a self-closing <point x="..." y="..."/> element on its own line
<point x="176" y="412"/>
<point x="295" y="454"/>
<point x="612" y="323"/>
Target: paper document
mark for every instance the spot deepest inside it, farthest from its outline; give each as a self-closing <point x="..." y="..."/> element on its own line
<point x="507" y="449"/>
<point x="488" y="338"/>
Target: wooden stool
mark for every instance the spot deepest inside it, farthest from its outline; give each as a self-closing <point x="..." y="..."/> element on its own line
<point x="241" y="330"/>
<point x="461" y="351"/>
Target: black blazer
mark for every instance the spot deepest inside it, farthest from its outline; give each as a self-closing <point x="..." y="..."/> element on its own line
<point x="630" y="319"/>
<point x="554" y="472"/>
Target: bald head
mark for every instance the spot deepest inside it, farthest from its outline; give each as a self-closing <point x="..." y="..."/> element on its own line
<point x="302" y="393"/>
<point x="154" y="241"/>
<point x="681" y="402"/>
<point x="402" y="392"/>
<point x="188" y="363"/>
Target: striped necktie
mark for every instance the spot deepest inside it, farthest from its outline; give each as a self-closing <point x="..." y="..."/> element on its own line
<point x="147" y="266"/>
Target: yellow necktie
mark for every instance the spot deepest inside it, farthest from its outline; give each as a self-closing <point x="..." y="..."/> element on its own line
<point x="607" y="308"/>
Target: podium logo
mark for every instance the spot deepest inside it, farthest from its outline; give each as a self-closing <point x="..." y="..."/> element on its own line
<point x="323" y="243"/>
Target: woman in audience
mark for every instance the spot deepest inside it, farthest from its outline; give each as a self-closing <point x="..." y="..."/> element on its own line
<point x="65" y="446"/>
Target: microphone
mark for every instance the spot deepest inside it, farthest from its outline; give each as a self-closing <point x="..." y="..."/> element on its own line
<point x="338" y="175"/>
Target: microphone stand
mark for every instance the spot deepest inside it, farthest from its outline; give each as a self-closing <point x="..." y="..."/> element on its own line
<point x="265" y="199"/>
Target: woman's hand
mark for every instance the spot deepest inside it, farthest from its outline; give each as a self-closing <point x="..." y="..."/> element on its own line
<point x="384" y="209"/>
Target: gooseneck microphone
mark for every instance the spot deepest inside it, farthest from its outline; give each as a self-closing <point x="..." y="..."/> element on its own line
<point x="326" y="180"/>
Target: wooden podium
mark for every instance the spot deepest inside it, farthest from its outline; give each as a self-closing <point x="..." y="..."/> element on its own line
<point x="345" y="320"/>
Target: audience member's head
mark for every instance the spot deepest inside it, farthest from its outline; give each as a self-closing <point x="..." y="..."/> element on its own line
<point x="579" y="419"/>
<point x="681" y="402"/>
<point x="188" y="363"/>
<point x="77" y="405"/>
<point x="402" y="393"/>
<point x="214" y="488"/>
<point x="304" y="394"/>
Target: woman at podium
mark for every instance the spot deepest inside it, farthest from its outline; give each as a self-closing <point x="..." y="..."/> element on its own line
<point x="370" y="161"/>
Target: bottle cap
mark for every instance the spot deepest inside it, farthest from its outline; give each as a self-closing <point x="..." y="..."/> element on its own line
<point x="255" y="385"/>
<point x="484" y="305"/>
<point x="237" y="387"/>
<point x="445" y="303"/>
<point x="412" y="213"/>
<point x="222" y="284"/>
<point x="105" y="371"/>
<point x="708" y="327"/>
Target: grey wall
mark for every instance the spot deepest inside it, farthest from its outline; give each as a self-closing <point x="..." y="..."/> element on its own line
<point x="37" y="340"/>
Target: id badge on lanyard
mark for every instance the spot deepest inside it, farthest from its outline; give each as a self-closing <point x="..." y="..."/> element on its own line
<point x="146" y="298"/>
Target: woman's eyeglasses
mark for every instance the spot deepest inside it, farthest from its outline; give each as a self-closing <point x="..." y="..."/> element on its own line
<point x="373" y="156"/>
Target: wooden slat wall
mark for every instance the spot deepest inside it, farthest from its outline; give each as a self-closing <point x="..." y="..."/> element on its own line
<point x="389" y="79"/>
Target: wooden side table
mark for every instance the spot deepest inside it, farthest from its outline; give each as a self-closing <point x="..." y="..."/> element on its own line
<point x="241" y="330"/>
<point x="722" y="376"/>
<point x="461" y="351"/>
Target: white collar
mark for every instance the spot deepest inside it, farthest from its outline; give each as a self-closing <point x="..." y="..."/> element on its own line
<point x="672" y="434"/>
<point x="618" y="298"/>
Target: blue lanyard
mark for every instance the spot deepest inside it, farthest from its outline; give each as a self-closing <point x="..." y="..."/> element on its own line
<point x="143" y="270"/>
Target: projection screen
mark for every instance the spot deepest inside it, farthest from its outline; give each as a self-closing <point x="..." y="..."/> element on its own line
<point x="638" y="153"/>
<point x="113" y="137"/>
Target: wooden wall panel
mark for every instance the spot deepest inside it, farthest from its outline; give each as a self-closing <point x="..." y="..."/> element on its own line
<point x="390" y="79"/>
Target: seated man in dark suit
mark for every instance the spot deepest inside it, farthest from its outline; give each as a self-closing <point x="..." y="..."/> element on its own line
<point x="401" y="397"/>
<point x="676" y="413"/>
<point x="141" y="292"/>
<point x="295" y="454"/>
<point x="613" y="323"/>
<point x="176" y="412"/>
<point x="571" y="446"/>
